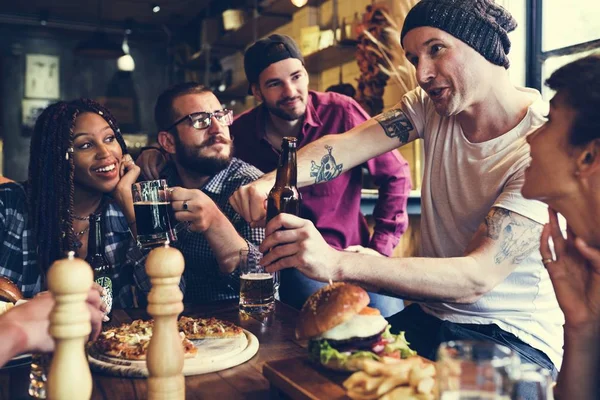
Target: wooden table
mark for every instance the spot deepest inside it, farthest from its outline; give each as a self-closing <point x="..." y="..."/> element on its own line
<point x="246" y="381"/>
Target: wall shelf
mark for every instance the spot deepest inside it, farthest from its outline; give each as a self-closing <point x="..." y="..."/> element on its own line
<point x="268" y="19"/>
<point x="329" y="57"/>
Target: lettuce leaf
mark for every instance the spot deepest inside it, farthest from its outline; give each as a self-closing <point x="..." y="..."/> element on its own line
<point x="321" y="351"/>
<point x="397" y="343"/>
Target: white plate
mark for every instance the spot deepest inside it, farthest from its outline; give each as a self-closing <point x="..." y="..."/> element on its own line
<point x="213" y="355"/>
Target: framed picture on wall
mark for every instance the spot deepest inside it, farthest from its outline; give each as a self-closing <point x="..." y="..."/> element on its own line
<point x="42" y="77"/>
<point x="31" y="110"/>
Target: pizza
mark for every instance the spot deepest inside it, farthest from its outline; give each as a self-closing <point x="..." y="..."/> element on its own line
<point x="208" y="328"/>
<point x="130" y="341"/>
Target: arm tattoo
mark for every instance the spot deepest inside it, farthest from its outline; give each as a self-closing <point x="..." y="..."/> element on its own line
<point x="328" y="169"/>
<point x="395" y="124"/>
<point x="519" y="236"/>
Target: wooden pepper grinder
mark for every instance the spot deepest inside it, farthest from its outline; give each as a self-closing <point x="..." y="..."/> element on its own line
<point x="70" y="281"/>
<point x="165" y="266"/>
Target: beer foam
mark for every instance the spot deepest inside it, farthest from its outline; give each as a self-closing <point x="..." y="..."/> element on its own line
<point x="257" y="276"/>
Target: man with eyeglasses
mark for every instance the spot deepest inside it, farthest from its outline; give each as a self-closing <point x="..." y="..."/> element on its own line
<point x="194" y="131"/>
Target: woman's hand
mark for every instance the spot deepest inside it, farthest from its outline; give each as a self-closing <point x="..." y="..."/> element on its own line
<point x="129" y="173"/>
<point x="575" y="275"/>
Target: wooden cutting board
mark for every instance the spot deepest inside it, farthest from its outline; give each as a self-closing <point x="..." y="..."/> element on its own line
<point x="301" y="379"/>
<point x="213" y="355"/>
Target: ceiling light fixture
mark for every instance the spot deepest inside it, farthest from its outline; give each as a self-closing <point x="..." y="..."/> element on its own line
<point x="299" y="3"/>
<point x="125" y="62"/>
<point x="155" y="8"/>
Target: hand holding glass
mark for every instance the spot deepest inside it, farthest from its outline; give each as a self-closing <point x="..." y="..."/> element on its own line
<point x="153" y="213"/>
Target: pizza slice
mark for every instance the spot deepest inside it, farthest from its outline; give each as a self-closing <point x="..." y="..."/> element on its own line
<point x="131" y="341"/>
<point x="208" y="328"/>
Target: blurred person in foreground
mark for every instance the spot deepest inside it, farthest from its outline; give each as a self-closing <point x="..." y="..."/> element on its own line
<point x="25" y="327"/>
<point x="481" y="276"/>
<point x="565" y="173"/>
<point x="78" y="166"/>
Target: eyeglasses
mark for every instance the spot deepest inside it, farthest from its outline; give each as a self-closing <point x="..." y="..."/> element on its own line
<point x="203" y="120"/>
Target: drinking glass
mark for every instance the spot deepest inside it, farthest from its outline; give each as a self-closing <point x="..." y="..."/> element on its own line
<point x="40" y="365"/>
<point x="257" y="286"/>
<point x="469" y="370"/>
<point x="531" y="382"/>
<point x="153" y="213"/>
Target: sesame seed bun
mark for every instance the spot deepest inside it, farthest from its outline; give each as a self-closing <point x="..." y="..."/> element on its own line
<point x="9" y="291"/>
<point x="329" y="307"/>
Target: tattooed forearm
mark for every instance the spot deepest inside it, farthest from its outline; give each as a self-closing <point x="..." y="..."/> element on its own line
<point x="395" y="124"/>
<point x="494" y="221"/>
<point x="328" y="169"/>
<point x="518" y="236"/>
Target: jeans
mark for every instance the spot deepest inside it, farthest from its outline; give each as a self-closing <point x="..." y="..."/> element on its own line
<point x="425" y="333"/>
<point x="295" y="288"/>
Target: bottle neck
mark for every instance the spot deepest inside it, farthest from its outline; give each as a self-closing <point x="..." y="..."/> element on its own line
<point x="95" y="238"/>
<point x="287" y="172"/>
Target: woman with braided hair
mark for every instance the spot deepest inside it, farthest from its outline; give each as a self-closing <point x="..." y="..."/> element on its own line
<point x="78" y="166"/>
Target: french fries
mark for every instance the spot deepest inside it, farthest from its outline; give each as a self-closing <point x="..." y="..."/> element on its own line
<point x="392" y="379"/>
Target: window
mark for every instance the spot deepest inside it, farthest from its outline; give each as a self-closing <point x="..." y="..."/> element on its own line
<point x="559" y="32"/>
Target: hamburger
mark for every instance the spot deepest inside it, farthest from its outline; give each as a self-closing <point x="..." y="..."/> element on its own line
<point x="341" y="329"/>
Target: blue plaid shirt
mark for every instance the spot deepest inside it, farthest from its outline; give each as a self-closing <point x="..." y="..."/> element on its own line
<point x="204" y="280"/>
<point x="18" y="259"/>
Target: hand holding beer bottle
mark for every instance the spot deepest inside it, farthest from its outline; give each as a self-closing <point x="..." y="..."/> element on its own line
<point x="285" y="198"/>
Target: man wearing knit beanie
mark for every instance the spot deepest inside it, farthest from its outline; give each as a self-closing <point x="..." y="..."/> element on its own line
<point x="480" y="275"/>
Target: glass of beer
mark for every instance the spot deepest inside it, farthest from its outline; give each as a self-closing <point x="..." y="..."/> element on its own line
<point x="469" y="370"/>
<point x="257" y="286"/>
<point x="152" y="205"/>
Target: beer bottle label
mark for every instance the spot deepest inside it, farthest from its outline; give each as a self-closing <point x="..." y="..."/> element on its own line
<point x="106" y="283"/>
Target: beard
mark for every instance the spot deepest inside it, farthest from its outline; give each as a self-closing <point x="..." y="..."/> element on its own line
<point x="191" y="159"/>
<point x="284" y="115"/>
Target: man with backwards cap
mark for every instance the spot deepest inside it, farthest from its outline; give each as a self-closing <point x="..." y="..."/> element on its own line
<point x="275" y="70"/>
<point x="481" y="276"/>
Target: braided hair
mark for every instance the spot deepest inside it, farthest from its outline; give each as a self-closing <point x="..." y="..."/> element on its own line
<point x="50" y="188"/>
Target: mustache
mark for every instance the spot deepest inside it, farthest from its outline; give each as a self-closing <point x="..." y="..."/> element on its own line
<point x="285" y="100"/>
<point x="214" y="140"/>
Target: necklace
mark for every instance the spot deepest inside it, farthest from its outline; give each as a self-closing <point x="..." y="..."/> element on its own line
<point x="80" y="233"/>
<point x="79" y="218"/>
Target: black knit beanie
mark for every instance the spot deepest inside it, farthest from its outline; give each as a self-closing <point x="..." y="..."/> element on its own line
<point x="481" y="24"/>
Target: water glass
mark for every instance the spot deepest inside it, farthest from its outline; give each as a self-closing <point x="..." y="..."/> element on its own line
<point x="257" y="286"/>
<point x="531" y="382"/>
<point x="469" y="370"/>
<point x="153" y="213"/>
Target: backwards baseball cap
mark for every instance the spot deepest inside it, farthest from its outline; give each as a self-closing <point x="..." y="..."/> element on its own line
<point x="481" y="24"/>
<point x="267" y="51"/>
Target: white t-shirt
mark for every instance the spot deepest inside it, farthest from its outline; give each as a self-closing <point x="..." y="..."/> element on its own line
<point x="462" y="182"/>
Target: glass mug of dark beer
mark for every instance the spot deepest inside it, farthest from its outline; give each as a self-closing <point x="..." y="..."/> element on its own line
<point x="153" y="213"/>
<point x="257" y="286"/>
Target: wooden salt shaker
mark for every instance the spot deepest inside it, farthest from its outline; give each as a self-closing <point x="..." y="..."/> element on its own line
<point x="70" y="281"/>
<point x="165" y="356"/>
